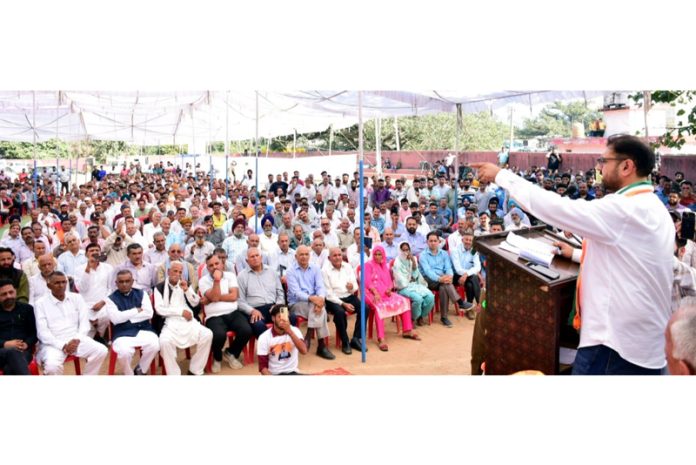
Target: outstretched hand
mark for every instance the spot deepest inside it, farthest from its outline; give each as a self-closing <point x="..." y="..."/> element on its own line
<point x="486" y="172"/>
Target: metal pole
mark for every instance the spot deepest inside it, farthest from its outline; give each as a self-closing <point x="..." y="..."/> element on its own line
<point x="294" y="142"/>
<point x="396" y="133"/>
<point x="361" y="156"/>
<point x="330" y="138"/>
<point x="227" y="144"/>
<point x="456" y="160"/>
<point x="57" y="186"/>
<point x="378" y="145"/>
<point x="647" y="103"/>
<point x="256" y="149"/>
<point x="512" y="133"/>
<point x="210" y="142"/>
<point x="193" y="137"/>
<point x="33" y="124"/>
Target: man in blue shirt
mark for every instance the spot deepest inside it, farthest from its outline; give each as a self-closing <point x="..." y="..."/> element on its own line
<point x="378" y="221"/>
<point x="306" y="298"/>
<point x="436" y="267"/>
<point x="446" y="213"/>
<point x="436" y="221"/>
<point x="467" y="266"/>
<point x="441" y="189"/>
<point x="413" y="237"/>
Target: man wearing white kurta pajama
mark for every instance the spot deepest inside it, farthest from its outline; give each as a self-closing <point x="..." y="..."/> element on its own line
<point x="174" y="300"/>
<point x="62" y="323"/>
<point x="130" y="310"/>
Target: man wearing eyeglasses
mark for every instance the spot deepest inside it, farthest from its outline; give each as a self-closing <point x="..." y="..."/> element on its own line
<point x="625" y="282"/>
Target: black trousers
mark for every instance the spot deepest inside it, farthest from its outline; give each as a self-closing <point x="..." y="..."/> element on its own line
<point x="63" y="187"/>
<point x="13" y="362"/>
<point x="219" y="325"/>
<point x="472" y="287"/>
<point x="259" y="327"/>
<point x="341" y="320"/>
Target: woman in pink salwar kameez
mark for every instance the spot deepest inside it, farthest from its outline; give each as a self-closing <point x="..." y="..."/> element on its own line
<point x="380" y="297"/>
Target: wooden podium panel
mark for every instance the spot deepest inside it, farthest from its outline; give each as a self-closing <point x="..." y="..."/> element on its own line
<point x="526" y="312"/>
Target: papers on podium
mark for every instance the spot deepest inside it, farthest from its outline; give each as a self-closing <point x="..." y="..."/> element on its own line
<point x="532" y="250"/>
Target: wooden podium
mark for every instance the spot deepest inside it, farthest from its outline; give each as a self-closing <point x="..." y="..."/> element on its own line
<point x="527" y="313"/>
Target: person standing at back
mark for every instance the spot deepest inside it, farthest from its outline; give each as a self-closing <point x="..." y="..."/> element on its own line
<point x="625" y="282"/>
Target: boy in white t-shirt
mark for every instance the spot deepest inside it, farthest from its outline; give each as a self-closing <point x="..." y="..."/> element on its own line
<point x="277" y="348"/>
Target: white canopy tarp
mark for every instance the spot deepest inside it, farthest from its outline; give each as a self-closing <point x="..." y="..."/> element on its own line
<point x="152" y="118"/>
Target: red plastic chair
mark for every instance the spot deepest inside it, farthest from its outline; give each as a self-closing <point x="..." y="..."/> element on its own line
<point x="248" y="356"/>
<point x="252" y="343"/>
<point x="34" y="368"/>
<point x="230" y="337"/>
<point x="301" y="320"/>
<point x="76" y="360"/>
<point x="113" y="357"/>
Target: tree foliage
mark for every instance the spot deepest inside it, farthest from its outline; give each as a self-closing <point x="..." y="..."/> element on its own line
<point x="556" y="120"/>
<point x="480" y="131"/>
<point x="674" y="137"/>
<point x="100" y="149"/>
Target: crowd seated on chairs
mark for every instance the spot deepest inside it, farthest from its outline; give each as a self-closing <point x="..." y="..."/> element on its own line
<point x="219" y="259"/>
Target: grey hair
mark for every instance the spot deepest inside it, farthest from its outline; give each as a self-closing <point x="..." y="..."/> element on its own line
<point x="683" y="332"/>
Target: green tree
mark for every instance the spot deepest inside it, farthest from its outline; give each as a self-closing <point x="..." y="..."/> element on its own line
<point x="557" y="120"/>
<point x="686" y="119"/>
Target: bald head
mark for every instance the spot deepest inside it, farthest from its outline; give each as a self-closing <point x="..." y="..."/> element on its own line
<point x="336" y="256"/>
<point x="47" y="264"/>
<point x="253" y="241"/>
<point x="680" y="344"/>
<point x="302" y="256"/>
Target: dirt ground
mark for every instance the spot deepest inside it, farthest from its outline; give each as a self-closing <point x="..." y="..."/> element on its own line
<point x="442" y="351"/>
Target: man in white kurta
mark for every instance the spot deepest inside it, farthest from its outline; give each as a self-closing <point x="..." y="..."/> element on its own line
<point x="38" y="285"/>
<point x="130" y="310"/>
<point x="174" y="301"/>
<point x="95" y="283"/>
<point x="62" y="324"/>
<point x="626" y="274"/>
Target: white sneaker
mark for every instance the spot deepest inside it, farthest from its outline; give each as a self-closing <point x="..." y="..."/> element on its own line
<point x="216" y="367"/>
<point x="232" y="361"/>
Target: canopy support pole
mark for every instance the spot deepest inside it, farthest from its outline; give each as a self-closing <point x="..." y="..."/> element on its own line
<point x="361" y="158"/>
<point x="331" y="137"/>
<point x="396" y="133"/>
<point x="57" y="186"/>
<point x="210" y="142"/>
<point x="378" y="145"/>
<point x="460" y="124"/>
<point x="33" y="124"/>
<point x="294" y="143"/>
<point x="227" y="145"/>
<point x="256" y="171"/>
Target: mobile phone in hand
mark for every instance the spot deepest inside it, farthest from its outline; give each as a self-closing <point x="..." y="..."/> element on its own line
<point x="284" y="313"/>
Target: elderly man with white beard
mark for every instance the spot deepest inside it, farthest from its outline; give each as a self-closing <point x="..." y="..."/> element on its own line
<point x="175" y="300"/>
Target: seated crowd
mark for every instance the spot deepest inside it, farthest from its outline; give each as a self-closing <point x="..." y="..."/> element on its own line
<point x="163" y="261"/>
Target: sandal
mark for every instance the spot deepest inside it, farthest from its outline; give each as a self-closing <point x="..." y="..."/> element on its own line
<point x="383" y="346"/>
<point x="413" y="336"/>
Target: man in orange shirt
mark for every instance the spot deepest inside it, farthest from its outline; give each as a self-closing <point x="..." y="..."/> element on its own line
<point x="247" y="209"/>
